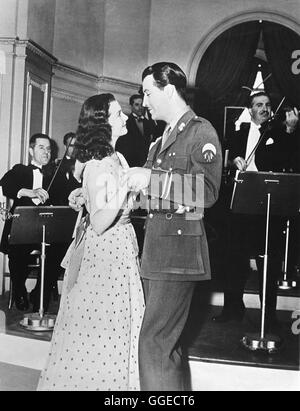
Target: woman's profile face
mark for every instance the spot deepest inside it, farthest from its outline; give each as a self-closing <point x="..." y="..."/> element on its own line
<point x="117" y="119"/>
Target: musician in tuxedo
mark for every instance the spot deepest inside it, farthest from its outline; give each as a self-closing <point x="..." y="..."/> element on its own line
<point x="27" y="186"/>
<point x="274" y="144"/>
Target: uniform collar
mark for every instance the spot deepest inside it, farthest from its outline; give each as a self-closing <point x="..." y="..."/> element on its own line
<point x="179" y="126"/>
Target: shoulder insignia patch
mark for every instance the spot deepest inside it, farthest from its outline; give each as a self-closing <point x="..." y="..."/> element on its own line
<point x="209" y="151"/>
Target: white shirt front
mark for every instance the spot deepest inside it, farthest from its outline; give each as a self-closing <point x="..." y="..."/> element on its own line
<point x="37" y="181"/>
<point x="253" y="139"/>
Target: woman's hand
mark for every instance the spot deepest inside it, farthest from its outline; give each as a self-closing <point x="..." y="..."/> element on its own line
<point x="76" y="199"/>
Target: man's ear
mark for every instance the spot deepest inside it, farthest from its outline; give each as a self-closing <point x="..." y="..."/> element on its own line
<point x="31" y="152"/>
<point x="170" y="89"/>
<point x="250" y="112"/>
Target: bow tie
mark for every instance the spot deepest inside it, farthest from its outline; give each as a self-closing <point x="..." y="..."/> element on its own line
<point x="139" y="119"/>
<point x="41" y="169"/>
<point x="264" y="127"/>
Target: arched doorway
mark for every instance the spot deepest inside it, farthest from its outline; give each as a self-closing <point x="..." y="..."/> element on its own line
<point x="227" y="67"/>
<point x="228" y="60"/>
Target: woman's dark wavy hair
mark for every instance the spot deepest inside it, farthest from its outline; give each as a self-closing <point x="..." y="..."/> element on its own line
<point x="165" y="73"/>
<point x="95" y="144"/>
<point x="93" y="136"/>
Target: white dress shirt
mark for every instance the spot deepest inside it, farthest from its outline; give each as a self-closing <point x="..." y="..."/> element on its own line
<point x="253" y="139"/>
<point x="37" y="181"/>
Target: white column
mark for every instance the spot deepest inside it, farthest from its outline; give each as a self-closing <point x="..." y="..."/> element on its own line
<point x="12" y="74"/>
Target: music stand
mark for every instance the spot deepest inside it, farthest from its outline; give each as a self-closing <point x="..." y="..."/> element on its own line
<point x="286" y="284"/>
<point x="45" y="226"/>
<point x="266" y="194"/>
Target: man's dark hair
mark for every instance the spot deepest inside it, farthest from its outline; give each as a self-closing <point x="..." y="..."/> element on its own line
<point x="253" y="96"/>
<point x="34" y="137"/>
<point x="68" y="136"/>
<point x="135" y="97"/>
<point x="167" y="73"/>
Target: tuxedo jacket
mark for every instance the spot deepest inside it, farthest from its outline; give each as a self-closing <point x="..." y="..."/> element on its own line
<point x="64" y="182"/>
<point x="21" y="176"/>
<point x="273" y="153"/>
<point x="134" y="146"/>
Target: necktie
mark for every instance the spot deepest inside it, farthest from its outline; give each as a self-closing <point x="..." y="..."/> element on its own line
<point x="166" y="135"/>
<point x="140" y="124"/>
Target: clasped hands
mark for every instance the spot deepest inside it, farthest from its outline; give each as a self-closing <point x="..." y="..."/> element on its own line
<point x="136" y="178"/>
<point x="133" y="179"/>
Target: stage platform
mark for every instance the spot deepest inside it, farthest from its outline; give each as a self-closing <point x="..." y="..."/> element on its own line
<point x="217" y="361"/>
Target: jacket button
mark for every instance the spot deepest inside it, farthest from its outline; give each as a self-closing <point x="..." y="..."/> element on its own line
<point x="179" y="232"/>
<point x="151" y="215"/>
<point x="159" y="161"/>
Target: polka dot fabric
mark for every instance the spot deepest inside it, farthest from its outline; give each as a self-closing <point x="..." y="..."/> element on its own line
<point x="95" y="341"/>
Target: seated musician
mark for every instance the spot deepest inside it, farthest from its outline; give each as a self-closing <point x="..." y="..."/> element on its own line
<point x="27" y="186"/>
<point x="257" y="147"/>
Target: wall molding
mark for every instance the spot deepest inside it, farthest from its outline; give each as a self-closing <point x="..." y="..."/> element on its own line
<point x="67" y="96"/>
<point x="75" y="85"/>
<point x="29" y="45"/>
<point x="229" y="22"/>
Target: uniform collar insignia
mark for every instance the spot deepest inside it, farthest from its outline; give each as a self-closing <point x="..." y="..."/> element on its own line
<point x="181" y="127"/>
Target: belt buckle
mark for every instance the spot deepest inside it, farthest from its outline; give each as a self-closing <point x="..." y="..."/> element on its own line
<point x="169" y="216"/>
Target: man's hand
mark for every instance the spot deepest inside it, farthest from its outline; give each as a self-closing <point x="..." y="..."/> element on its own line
<point x="291" y="121"/>
<point x="137" y="178"/>
<point x="240" y="163"/>
<point x="38" y="193"/>
<point x="76" y="199"/>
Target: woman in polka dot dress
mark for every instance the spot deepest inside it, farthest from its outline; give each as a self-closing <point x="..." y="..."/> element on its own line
<point x="95" y="341"/>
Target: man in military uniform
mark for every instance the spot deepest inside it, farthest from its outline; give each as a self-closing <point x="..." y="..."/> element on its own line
<point x="181" y="177"/>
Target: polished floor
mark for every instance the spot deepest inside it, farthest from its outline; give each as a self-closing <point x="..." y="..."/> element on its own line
<point x="16" y="378"/>
<point x="212" y="342"/>
<point x="203" y="339"/>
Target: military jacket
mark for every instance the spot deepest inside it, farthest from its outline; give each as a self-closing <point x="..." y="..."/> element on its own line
<point x="185" y="179"/>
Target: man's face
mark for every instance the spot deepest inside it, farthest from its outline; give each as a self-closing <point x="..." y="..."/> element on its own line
<point x="70" y="145"/>
<point x="137" y="107"/>
<point x="261" y="109"/>
<point x="41" y="152"/>
<point x="155" y="99"/>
